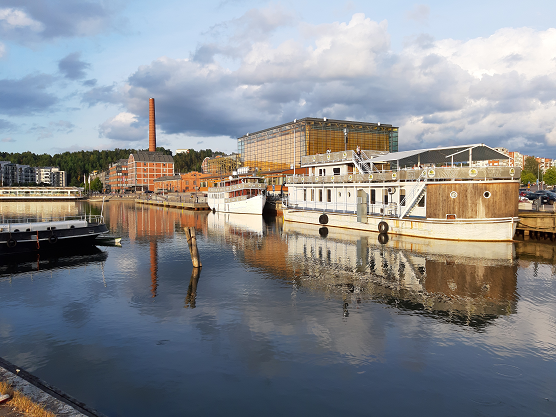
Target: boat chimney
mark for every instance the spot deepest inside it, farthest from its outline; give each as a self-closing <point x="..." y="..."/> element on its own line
<point x="152" y="126"/>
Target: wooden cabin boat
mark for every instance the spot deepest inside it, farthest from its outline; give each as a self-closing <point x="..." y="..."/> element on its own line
<point x="244" y="195"/>
<point x="30" y="235"/>
<point x="439" y="193"/>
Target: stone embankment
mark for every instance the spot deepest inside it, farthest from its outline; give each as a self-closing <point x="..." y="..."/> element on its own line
<point x="39" y="392"/>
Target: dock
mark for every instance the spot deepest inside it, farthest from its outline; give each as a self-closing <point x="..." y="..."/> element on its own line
<point x="185" y="205"/>
<point x="537" y="224"/>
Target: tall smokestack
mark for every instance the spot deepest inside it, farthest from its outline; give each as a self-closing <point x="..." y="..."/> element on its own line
<point x="152" y="127"/>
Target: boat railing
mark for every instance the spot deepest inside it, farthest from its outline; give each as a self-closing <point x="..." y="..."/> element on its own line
<point x="89" y="218"/>
<point x="235" y="187"/>
<point x="420" y="174"/>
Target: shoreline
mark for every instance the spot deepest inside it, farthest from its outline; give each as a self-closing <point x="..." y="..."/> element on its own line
<point x="42" y="393"/>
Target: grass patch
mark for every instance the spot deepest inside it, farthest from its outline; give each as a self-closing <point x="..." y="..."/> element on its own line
<point x="23" y="404"/>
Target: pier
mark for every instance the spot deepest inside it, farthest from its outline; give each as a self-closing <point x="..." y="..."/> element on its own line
<point x="175" y="202"/>
<point x="537" y="224"/>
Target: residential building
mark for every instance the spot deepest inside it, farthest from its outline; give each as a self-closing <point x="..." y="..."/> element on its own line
<point x="117" y="176"/>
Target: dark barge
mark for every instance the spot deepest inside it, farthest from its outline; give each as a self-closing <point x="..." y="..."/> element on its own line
<point x="24" y="236"/>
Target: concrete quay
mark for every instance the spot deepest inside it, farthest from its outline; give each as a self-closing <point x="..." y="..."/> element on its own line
<point x="38" y="391"/>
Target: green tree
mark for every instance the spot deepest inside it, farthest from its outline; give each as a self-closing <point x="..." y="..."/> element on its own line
<point x="96" y="185"/>
<point x="550" y="176"/>
<point x="528" y="177"/>
<point x="531" y="165"/>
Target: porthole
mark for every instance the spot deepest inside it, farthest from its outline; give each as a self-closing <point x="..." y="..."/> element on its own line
<point x="486" y="194"/>
<point x="453" y="194"/>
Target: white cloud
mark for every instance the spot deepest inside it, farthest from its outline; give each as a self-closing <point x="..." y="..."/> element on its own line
<point x="124" y="127"/>
<point x="15" y="19"/>
<point x="9" y="139"/>
<point x="2" y="49"/>
<point x="498" y="90"/>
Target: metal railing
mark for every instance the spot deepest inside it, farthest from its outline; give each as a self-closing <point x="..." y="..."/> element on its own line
<point x="430" y="174"/>
<point x="235" y="187"/>
<point x="90" y="218"/>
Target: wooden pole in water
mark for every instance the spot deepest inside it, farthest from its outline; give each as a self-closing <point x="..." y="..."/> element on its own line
<point x="192" y="242"/>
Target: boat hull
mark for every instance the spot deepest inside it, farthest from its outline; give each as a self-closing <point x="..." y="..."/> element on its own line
<point x="501" y="229"/>
<point x="253" y="205"/>
<point x="49" y="240"/>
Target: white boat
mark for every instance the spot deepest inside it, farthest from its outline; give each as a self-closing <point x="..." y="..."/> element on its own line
<point x="245" y="195"/>
<point x="457" y="200"/>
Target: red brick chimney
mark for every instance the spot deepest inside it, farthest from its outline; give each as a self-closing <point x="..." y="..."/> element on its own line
<point x="152" y="127"/>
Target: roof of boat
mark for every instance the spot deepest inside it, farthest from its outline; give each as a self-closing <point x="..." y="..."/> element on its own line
<point x="442" y="155"/>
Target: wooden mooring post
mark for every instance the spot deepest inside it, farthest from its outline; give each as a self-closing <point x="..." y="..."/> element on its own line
<point x="192" y="242"/>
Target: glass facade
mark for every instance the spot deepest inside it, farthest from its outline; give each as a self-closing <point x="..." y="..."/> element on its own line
<point x="278" y="148"/>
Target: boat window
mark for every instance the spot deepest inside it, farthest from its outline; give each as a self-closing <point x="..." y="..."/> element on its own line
<point x="422" y="202"/>
<point x="304" y="195"/>
<point x="385" y="197"/>
<point x="320" y="195"/>
<point x="329" y="195"/>
<point x="373" y="196"/>
<point x="402" y="197"/>
<point x="336" y="171"/>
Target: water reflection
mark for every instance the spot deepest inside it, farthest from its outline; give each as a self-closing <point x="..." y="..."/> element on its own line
<point x="191" y="296"/>
<point x="68" y="259"/>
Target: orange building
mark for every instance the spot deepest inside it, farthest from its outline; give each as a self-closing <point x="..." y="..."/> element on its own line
<point x="144" y="167"/>
<point x="117" y="176"/>
<point x="189" y="182"/>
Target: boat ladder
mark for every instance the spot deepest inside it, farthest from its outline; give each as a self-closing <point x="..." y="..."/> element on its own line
<point x="409" y="201"/>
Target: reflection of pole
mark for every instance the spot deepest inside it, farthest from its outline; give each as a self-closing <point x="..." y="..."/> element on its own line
<point x="154" y="268"/>
<point x="192" y="289"/>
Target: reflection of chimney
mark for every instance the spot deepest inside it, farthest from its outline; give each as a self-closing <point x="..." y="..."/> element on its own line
<point x="154" y="268"/>
<point x="152" y="127"/>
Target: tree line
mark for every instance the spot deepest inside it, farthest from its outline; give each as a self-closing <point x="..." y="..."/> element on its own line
<point x="80" y="163"/>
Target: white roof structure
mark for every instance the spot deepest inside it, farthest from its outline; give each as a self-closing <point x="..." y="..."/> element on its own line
<point x="441" y="156"/>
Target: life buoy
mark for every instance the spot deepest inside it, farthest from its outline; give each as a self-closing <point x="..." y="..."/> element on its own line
<point x="383" y="227"/>
<point x="383" y="238"/>
<point x="53" y="239"/>
<point x="323" y="219"/>
<point x="11" y="242"/>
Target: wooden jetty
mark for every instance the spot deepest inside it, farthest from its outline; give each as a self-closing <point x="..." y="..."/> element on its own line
<point x="537" y="224"/>
<point x="174" y="204"/>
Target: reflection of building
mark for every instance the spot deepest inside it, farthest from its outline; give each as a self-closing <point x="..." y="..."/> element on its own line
<point x="273" y="148"/>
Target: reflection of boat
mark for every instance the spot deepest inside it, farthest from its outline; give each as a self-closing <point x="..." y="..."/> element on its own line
<point x="346" y="189"/>
<point x="468" y="283"/>
<point x="234" y="222"/>
<point x="33" y="262"/>
<point x="20" y="236"/>
<point x="238" y="195"/>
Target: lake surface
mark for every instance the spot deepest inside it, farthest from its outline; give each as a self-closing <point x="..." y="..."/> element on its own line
<point x="283" y="319"/>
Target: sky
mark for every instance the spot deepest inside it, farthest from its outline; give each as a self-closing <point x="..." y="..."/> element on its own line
<point x="77" y="75"/>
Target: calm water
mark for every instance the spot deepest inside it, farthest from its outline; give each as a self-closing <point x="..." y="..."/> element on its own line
<point x="283" y="320"/>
